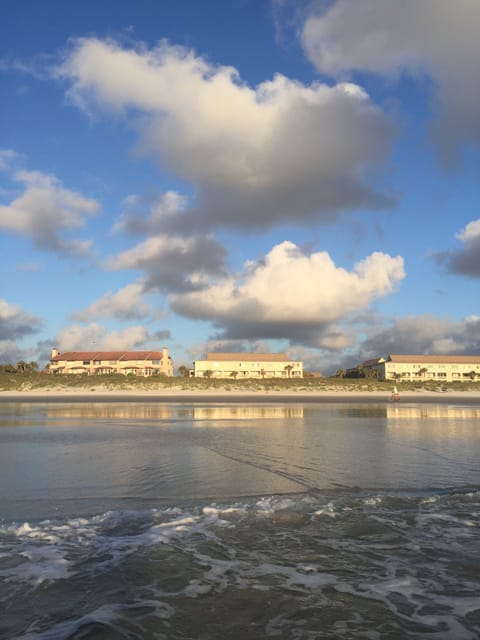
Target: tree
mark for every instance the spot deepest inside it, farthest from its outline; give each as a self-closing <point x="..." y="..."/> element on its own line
<point x="22" y="366"/>
<point x="288" y="369"/>
<point x="262" y="373"/>
<point x="234" y="375"/>
<point x="422" y="372"/>
<point x="341" y="373"/>
<point x="472" y="375"/>
<point x="183" y="371"/>
<point x="8" y="368"/>
<point x="208" y="373"/>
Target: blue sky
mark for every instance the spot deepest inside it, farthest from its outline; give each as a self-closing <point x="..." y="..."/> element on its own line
<point x="240" y="175"/>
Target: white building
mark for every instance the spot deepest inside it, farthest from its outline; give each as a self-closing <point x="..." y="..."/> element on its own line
<point x="239" y="366"/>
<point x="423" y="367"/>
<point x="139" y="363"/>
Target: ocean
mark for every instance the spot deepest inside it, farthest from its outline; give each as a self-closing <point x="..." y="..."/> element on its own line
<point x="238" y="521"/>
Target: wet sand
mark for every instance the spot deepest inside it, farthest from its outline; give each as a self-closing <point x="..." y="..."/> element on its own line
<point x="222" y="396"/>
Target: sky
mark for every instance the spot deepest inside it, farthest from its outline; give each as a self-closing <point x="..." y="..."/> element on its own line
<point x="240" y="175"/>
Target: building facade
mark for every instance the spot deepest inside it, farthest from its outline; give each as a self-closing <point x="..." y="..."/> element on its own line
<point x="139" y="363"/>
<point x="240" y="366"/>
<point x="423" y="367"/>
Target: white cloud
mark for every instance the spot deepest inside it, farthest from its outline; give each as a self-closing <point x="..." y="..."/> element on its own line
<point x="162" y="208"/>
<point x="471" y="233"/>
<point x="95" y="337"/>
<point x="438" y="38"/>
<point x="45" y="211"/>
<point x="10" y="353"/>
<point x="15" y="323"/>
<point x="173" y="263"/>
<point x="466" y="260"/>
<point x="126" y="304"/>
<point x="257" y="156"/>
<point x="292" y="295"/>
<point x="425" y="334"/>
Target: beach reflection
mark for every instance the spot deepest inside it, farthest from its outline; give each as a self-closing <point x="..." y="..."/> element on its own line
<point x="441" y="423"/>
<point x="246" y="413"/>
<point x="394" y="411"/>
<point x="443" y="412"/>
<point x="162" y="412"/>
<point x="112" y="411"/>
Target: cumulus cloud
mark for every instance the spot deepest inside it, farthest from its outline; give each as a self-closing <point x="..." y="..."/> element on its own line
<point x="15" y="323"/>
<point x="44" y="211"/>
<point x="293" y="296"/>
<point x="95" y="337"/>
<point x="466" y="260"/>
<point x="10" y="353"/>
<point x="425" y="334"/>
<point x="126" y="304"/>
<point x="160" y="209"/>
<point x="257" y="156"/>
<point x="434" y="38"/>
<point x="173" y="263"/>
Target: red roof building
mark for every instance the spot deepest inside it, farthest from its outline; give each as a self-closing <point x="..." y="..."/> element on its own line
<point x="140" y="363"/>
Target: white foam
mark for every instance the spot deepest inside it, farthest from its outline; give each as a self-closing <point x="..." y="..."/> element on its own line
<point x="43" y="564"/>
<point x="328" y="510"/>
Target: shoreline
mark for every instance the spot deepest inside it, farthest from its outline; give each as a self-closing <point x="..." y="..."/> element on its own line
<point x="235" y="396"/>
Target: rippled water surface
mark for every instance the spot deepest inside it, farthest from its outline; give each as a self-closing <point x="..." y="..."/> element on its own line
<point x="128" y="520"/>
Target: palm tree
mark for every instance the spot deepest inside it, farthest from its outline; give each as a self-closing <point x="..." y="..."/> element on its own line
<point x="208" y="373"/>
<point x="422" y="372"/>
<point x="288" y="369"/>
<point x="234" y="375"/>
<point x="262" y="373"/>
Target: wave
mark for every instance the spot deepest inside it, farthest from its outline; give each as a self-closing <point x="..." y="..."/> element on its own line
<point x="343" y="563"/>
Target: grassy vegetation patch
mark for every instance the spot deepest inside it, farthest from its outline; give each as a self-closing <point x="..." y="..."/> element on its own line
<point x="43" y="382"/>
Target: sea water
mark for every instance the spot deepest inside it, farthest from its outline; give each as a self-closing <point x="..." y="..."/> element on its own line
<point x="236" y="521"/>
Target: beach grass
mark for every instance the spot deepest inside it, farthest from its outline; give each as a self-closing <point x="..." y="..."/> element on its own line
<point x="23" y="382"/>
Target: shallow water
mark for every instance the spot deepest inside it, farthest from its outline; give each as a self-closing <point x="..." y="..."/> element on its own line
<point x="126" y="520"/>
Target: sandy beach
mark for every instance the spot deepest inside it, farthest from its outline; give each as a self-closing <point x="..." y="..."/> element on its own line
<point x="173" y="394"/>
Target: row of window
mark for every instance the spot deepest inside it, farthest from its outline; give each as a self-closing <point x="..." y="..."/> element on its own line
<point x="111" y="362"/>
<point x="252" y="364"/>
<point x="433" y="374"/>
<point x="468" y="367"/>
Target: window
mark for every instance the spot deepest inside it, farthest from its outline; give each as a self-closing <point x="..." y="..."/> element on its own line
<point x="155" y="361"/>
<point x="86" y="362"/>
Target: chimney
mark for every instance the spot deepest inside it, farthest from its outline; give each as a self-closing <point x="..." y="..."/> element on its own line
<point x="55" y="352"/>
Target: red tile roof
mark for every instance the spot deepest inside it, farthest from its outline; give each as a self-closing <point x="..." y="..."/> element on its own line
<point x="248" y="357"/>
<point x="429" y="359"/>
<point x="126" y="356"/>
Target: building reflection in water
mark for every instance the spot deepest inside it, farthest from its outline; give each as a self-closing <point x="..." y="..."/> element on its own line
<point x="128" y="411"/>
<point x="436" y="421"/>
<point x="449" y="412"/>
<point x="246" y="412"/>
<point x="112" y="411"/>
<point x="398" y="411"/>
